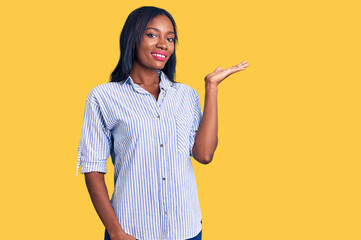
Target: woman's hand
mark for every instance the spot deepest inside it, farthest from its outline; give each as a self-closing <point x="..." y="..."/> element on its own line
<point x="219" y="75"/>
<point x="124" y="236"/>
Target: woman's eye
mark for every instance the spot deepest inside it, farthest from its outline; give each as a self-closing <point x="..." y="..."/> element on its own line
<point x="151" y="35"/>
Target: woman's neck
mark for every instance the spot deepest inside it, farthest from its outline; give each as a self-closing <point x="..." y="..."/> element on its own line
<point x="144" y="76"/>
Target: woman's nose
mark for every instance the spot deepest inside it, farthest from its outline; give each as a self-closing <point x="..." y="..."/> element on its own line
<point x="162" y="43"/>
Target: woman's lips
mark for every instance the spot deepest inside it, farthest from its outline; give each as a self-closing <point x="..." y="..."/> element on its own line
<point x="158" y="56"/>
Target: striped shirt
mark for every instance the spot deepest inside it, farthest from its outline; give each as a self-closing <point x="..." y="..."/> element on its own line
<point x="150" y="143"/>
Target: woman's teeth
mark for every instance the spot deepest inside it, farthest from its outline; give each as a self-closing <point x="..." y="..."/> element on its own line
<point x="158" y="55"/>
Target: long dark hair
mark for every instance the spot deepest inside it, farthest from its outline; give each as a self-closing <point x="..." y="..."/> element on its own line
<point x="131" y="37"/>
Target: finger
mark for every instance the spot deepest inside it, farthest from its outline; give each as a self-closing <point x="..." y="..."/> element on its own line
<point x="233" y="69"/>
<point x="242" y="64"/>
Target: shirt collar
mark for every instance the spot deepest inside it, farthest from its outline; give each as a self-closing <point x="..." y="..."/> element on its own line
<point x="164" y="83"/>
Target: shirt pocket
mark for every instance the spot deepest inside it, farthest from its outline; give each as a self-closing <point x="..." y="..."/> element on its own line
<point x="183" y="122"/>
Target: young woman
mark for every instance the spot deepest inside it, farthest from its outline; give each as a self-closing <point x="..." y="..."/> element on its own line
<point x="150" y="125"/>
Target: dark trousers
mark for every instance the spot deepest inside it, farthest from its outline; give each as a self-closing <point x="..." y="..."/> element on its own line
<point x="198" y="237"/>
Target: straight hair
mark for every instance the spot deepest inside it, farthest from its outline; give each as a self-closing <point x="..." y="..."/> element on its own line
<point x="130" y="38"/>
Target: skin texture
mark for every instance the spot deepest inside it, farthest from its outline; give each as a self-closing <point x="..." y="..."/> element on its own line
<point x="158" y="37"/>
<point x="99" y="195"/>
<point x="206" y="139"/>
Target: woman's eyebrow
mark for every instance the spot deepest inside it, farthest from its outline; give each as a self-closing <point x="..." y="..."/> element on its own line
<point x="157" y="29"/>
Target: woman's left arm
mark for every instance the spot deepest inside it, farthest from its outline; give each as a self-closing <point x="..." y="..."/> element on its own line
<point x="206" y="139"/>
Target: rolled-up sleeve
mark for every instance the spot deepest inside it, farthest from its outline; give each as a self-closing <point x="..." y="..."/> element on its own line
<point x="95" y="141"/>
<point x="197" y="117"/>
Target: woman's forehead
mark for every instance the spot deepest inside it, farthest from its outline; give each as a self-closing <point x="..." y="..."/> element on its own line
<point x="161" y="23"/>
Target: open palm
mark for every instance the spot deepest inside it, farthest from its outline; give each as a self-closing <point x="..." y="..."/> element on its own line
<point x="220" y="74"/>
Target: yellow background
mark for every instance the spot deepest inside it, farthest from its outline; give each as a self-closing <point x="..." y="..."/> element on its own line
<point x="287" y="164"/>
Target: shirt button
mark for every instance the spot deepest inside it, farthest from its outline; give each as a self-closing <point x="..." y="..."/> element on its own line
<point x="161" y="145"/>
<point x="164" y="178"/>
<point x="158" y="116"/>
<point x="163" y="92"/>
<point x="165" y="212"/>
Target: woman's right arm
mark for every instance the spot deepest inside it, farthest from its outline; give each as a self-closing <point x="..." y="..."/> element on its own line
<point x="99" y="195"/>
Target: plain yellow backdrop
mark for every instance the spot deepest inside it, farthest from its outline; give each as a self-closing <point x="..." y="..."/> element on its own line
<point x="287" y="164"/>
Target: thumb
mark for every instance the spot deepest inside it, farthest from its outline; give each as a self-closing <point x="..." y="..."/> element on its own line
<point x="218" y="69"/>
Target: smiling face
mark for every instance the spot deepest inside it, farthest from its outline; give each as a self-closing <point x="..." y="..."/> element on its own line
<point x="157" y="44"/>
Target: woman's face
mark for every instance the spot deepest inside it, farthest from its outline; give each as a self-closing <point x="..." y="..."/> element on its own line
<point x="157" y="44"/>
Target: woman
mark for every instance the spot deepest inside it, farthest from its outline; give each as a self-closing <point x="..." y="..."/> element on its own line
<point x="150" y="125"/>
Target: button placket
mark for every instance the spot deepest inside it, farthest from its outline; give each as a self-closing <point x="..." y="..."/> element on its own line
<point x="163" y="171"/>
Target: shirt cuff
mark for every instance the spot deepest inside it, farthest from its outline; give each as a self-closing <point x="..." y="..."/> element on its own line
<point x="98" y="166"/>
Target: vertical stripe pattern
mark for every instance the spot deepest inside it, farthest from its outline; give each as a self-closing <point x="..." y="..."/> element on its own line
<point x="150" y="143"/>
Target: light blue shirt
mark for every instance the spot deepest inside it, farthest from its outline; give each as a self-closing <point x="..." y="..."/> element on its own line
<point x="150" y="142"/>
